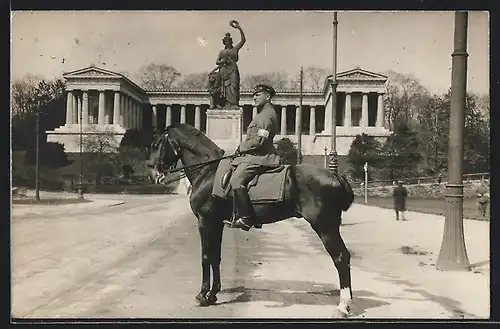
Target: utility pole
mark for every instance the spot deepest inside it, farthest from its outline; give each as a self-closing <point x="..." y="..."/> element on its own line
<point x="299" y="118"/>
<point x="37" y="161"/>
<point x="453" y="254"/>
<point x="333" y="165"/>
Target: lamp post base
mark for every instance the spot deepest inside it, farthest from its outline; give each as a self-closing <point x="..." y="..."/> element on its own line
<point x="333" y="163"/>
<point x="453" y="253"/>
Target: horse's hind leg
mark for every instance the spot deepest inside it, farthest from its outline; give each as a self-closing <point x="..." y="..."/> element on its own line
<point x="334" y="245"/>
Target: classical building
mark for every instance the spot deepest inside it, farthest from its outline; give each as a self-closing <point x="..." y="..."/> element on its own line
<point x="108" y="102"/>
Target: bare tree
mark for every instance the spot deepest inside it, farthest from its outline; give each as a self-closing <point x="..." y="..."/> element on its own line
<point x="157" y="76"/>
<point x="404" y="98"/>
<point x="278" y="80"/>
<point x="100" y="147"/>
<point x="194" y="81"/>
<point x="314" y="77"/>
<point x="24" y="96"/>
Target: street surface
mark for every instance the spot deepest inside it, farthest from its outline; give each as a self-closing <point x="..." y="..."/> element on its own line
<point x="139" y="256"/>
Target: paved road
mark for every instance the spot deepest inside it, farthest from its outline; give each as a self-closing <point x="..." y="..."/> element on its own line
<point x="142" y="259"/>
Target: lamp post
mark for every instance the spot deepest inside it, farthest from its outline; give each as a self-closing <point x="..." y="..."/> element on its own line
<point x="80" y="189"/>
<point x="299" y="119"/>
<point x="453" y="254"/>
<point x="37" y="161"/>
<point x="333" y="165"/>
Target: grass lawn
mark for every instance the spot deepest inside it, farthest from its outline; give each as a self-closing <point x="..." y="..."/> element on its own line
<point x="53" y="201"/>
<point x="430" y="206"/>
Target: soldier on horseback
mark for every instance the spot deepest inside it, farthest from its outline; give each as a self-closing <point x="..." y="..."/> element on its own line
<point x="257" y="154"/>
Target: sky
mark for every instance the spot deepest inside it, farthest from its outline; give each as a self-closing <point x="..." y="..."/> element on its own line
<point x="49" y="43"/>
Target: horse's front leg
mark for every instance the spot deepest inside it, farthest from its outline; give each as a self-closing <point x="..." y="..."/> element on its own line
<point x="215" y="259"/>
<point x="201" y="298"/>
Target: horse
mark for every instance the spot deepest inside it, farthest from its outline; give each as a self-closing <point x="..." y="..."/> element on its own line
<point x="318" y="196"/>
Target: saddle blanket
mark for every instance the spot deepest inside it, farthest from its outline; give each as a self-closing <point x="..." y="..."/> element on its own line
<point x="270" y="187"/>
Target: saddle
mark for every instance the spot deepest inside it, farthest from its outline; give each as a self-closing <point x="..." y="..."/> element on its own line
<point x="227" y="177"/>
<point x="268" y="187"/>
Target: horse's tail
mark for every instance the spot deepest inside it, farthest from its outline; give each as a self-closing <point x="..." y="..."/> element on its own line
<point x="347" y="198"/>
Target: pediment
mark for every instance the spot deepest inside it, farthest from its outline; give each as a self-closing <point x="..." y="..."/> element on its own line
<point x="360" y="74"/>
<point x="92" y="71"/>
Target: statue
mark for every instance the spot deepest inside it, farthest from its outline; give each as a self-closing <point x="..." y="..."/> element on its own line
<point x="224" y="80"/>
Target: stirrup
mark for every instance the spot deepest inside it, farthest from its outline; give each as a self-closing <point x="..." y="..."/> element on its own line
<point x="240" y="223"/>
<point x="229" y="223"/>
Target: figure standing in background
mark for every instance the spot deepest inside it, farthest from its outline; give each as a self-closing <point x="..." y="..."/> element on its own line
<point x="400" y="193"/>
<point x="483" y="198"/>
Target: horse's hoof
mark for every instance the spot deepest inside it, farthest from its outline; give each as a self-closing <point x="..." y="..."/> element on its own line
<point x="211" y="300"/>
<point x="202" y="301"/>
<point x="342" y="312"/>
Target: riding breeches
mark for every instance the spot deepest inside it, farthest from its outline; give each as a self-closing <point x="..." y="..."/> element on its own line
<point x="244" y="173"/>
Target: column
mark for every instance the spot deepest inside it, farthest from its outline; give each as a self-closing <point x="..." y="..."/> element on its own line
<point x="139" y="115"/>
<point x="116" y="108"/>
<point x="348" y="111"/>
<point x="328" y="115"/>
<point x="128" y="111"/>
<point x="122" y="110"/>
<point x="79" y="109"/>
<point x="125" y="111"/>
<point x="154" y="116"/>
<point x="283" y="120"/>
<point x="364" y="111"/>
<point x="380" y="111"/>
<point x="254" y="112"/>
<point x="297" y="120"/>
<point x="69" y="108"/>
<point x="197" y="117"/>
<point x="134" y="114"/>
<point x="312" y="121"/>
<point x="75" y="109"/>
<point x="168" y="116"/>
<point x="100" y="119"/>
<point x="183" y="114"/>
<point x="85" y="107"/>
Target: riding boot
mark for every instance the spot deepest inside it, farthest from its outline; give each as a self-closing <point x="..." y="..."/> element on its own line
<point x="244" y="211"/>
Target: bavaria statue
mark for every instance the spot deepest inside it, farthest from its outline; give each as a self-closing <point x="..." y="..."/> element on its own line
<point x="224" y="80"/>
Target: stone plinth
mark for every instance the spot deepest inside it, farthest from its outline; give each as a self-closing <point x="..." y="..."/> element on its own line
<point x="69" y="135"/>
<point x="225" y="128"/>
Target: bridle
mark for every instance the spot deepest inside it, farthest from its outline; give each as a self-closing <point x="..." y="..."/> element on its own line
<point x="160" y="179"/>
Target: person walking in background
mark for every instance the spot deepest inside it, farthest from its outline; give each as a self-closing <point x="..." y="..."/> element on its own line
<point x="483" y="198"/>
<point x="400" y="195"/>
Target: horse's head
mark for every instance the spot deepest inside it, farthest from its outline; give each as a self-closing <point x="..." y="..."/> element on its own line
<point x="163" y="154"/>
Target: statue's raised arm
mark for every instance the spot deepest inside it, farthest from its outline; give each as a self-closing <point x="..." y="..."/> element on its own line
<point x="237" y="26"/>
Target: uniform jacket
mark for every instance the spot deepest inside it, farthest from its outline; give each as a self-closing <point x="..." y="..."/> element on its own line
<point x="258" y="145"/>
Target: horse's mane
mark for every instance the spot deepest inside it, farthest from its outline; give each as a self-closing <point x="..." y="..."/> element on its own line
<point x="192" y="139"/>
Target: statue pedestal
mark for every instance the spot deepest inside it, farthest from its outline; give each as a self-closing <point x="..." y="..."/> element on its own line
<point x="225" y="128"/>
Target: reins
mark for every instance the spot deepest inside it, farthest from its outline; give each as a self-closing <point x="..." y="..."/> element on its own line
<point x="190" y="168"/>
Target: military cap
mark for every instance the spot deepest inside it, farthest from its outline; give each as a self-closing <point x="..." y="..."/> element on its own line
<point x="263" y="87"/>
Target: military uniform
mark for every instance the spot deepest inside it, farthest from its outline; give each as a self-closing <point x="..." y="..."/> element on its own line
<point x="257" y="155"/>
<point x="258" y="149"/>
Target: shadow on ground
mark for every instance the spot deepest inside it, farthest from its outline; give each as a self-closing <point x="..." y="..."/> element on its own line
<point x="288" y="293"/>
<point x="448" y="304"/>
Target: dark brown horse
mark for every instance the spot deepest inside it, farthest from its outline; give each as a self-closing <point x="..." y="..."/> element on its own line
<point x="318" y="196"/>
